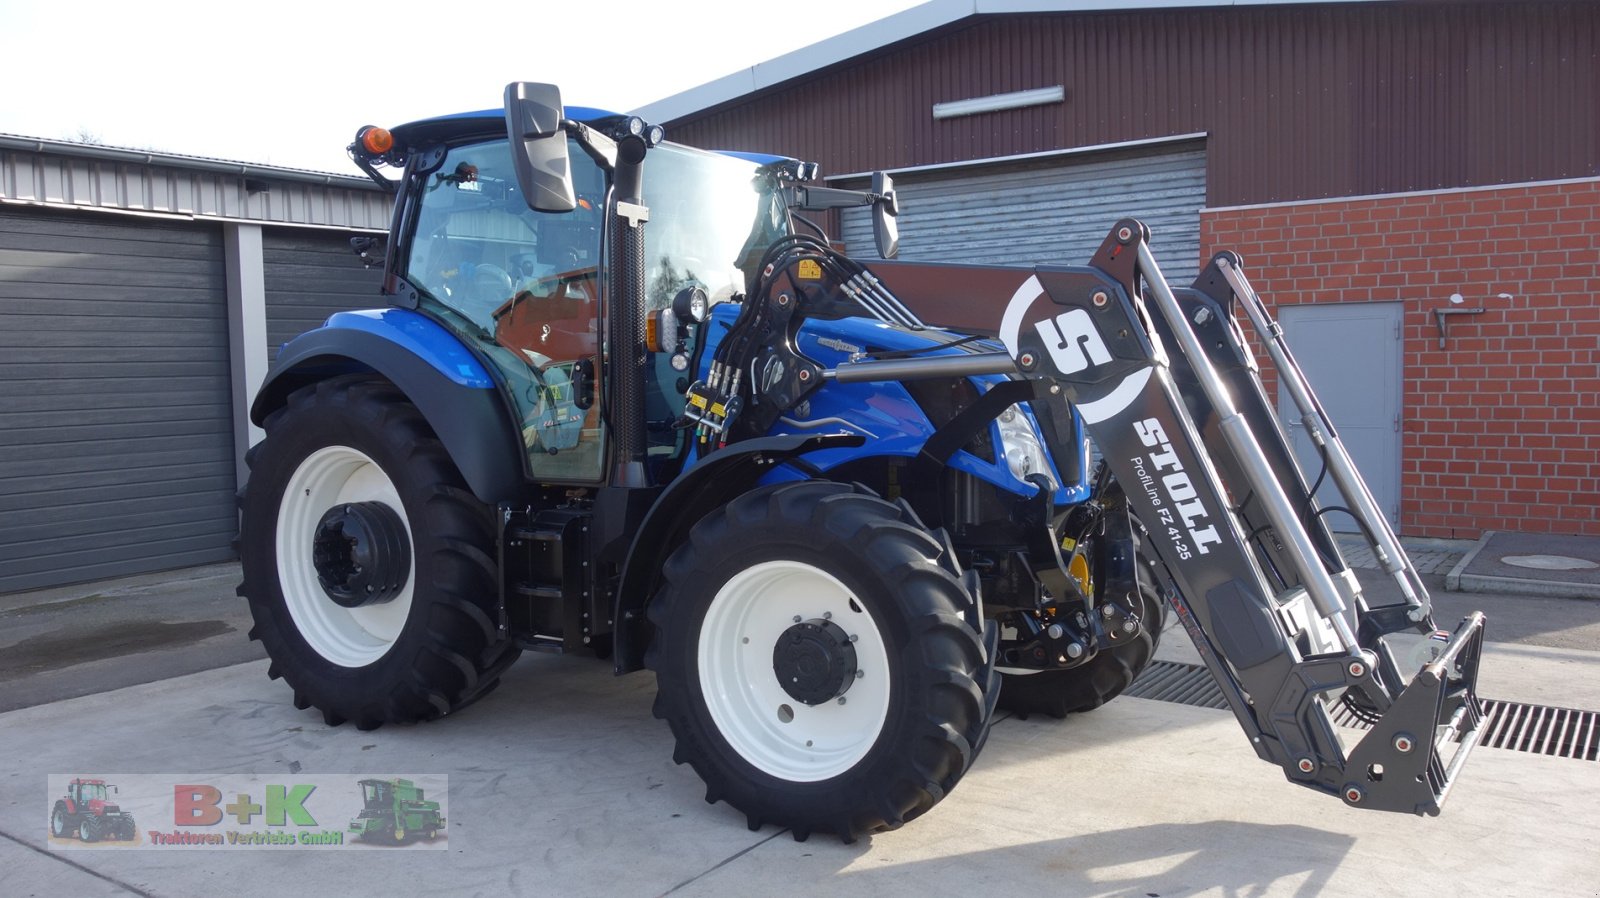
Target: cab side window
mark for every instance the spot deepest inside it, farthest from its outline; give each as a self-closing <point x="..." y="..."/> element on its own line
<point x="524" y="286"/>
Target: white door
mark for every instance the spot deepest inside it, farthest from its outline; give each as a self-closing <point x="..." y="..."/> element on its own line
<point x="1351" y="354"/>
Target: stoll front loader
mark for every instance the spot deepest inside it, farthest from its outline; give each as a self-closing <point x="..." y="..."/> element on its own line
<point x="840" y="536"/>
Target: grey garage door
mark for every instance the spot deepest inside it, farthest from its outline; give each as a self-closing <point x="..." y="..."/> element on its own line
<point x="309" y="276"/>
<point x="116" y="454"/>
<point x="1048" y="211"/>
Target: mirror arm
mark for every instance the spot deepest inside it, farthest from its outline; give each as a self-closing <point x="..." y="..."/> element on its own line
<point x="600" y="148"/>
<point x="816" y="199"/>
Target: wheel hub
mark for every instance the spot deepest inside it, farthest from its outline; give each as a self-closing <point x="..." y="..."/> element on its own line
<point x="361" y="553"/>
<point x="814" y="661"/>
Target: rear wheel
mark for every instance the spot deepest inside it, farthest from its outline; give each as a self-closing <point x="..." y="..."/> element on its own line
<point x="60" y="822"/>
<point x="368" y="565"/>
<point x="814" y="663"/>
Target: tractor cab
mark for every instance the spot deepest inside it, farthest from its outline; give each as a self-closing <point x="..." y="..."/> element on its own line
<point x="528" y="290"/>
<point x="85" y="791"/>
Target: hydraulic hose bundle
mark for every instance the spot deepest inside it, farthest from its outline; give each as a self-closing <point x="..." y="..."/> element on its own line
<point x="757" y="373"/>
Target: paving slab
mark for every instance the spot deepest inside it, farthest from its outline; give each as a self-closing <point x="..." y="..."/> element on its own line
<point x="1546" y="564"/>
<point x="76" y="640"/>
<point x="562" y="783"/>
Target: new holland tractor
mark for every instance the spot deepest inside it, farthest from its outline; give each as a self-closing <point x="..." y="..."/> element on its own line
<point x="628" y="401"/>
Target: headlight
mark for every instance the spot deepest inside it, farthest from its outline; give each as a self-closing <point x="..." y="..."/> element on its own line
<point x="1019" y="442"/>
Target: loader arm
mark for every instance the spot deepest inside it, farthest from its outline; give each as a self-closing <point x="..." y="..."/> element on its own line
<point x="1261" y="589"/>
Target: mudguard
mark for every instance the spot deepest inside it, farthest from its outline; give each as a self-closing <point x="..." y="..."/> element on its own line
<point x="440" y="376"/>
<point x="709" y="483"/>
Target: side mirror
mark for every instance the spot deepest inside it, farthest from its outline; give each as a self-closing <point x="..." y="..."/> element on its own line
<point x="539" y="146"/>
<point x="885" y="208"/>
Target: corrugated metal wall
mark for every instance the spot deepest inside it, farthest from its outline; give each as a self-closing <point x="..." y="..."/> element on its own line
<point x="1299" y="102"/>
<point x="116" y="448"/>
<point x="309" y="276"/>
<point x="1056" y="211"/>
<point x="48" y="177"/>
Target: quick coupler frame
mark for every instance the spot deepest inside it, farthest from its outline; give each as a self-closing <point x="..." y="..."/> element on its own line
<point x="1169" y="390"/>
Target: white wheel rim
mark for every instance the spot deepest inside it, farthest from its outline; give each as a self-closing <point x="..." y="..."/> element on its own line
<point x="747" y="703"/>
<point x="348" y="637"/>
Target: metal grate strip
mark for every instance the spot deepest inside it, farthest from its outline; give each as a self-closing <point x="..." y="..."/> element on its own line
<point x="1536" y="729"/>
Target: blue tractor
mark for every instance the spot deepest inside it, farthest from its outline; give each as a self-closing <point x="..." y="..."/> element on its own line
<point x="839" y="535"/>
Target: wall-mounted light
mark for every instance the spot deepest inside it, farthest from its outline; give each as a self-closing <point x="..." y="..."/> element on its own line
<point x="1016" y="100"/>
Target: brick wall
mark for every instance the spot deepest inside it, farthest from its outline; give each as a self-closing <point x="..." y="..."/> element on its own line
<point x="1502" y="427"/>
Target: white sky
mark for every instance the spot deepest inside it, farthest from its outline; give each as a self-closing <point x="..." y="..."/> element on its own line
<point x="287" y="82"/>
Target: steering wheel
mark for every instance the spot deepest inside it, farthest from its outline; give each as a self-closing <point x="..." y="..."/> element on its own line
<point x="485" y="290"/>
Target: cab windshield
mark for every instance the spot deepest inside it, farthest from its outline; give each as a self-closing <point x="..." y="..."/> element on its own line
<point x="528" y="288"/>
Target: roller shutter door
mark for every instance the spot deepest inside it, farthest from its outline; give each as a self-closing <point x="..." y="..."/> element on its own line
<point x="309" y="276"/>
<point x="116" y="451"/>
<point x="1054" y="211"/>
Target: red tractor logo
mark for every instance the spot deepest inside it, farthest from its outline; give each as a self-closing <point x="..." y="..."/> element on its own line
<point x="87" y="813"/>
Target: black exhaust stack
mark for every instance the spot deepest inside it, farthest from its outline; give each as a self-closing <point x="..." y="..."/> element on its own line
<point x="628" y="354"/>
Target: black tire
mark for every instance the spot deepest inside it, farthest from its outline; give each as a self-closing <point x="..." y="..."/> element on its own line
<point x="89" y="830"/>
<point x="921" y="725"/>
<point x="445" y="651"/>
<point x="1108" y="674"/>
<point x="62" y="823"/>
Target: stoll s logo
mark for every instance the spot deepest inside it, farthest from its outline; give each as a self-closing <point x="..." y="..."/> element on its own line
<point x="1074" y="345"/>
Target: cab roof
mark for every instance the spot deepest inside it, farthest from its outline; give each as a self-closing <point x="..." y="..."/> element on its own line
<point x="487" y="123"/>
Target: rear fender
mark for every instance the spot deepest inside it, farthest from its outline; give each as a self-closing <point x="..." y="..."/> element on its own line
<point x="440" y="376"/>
<point x="708" y="484"/>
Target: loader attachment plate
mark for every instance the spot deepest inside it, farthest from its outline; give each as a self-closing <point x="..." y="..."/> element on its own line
<point x="1400" y="765"/>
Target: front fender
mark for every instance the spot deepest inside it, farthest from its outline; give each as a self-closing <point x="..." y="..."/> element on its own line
<point x="438" y="374"/>
<point x="709" y="483"/>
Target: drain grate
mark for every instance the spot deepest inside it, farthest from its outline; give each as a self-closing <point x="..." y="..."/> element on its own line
<point x="1183" y="684"/>
<point x="1562" y="732"/>
<point x="1536" y="729"/>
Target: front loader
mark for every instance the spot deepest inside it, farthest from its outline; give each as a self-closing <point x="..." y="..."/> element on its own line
<point x="840" y="536"/>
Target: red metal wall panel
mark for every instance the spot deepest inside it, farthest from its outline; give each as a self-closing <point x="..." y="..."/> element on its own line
<point x="1300" y="102"/>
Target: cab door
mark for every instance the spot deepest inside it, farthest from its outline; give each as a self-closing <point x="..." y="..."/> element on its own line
<point x="525" y="288"/>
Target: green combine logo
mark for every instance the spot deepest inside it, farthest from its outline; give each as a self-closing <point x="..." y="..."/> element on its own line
<point x="395" y="811"/>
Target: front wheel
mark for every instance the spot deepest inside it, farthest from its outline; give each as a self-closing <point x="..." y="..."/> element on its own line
<point x="814" y="661"/>
<point x="1109" y="673"/>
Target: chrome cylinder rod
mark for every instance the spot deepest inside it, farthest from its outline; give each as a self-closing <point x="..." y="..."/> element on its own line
<point x="1235" y="429"/>
<point x="965" y="365"/>
<point x="1346" y="477"/>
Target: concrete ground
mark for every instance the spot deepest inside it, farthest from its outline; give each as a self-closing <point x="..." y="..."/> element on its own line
<point x="562" y="783"/>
